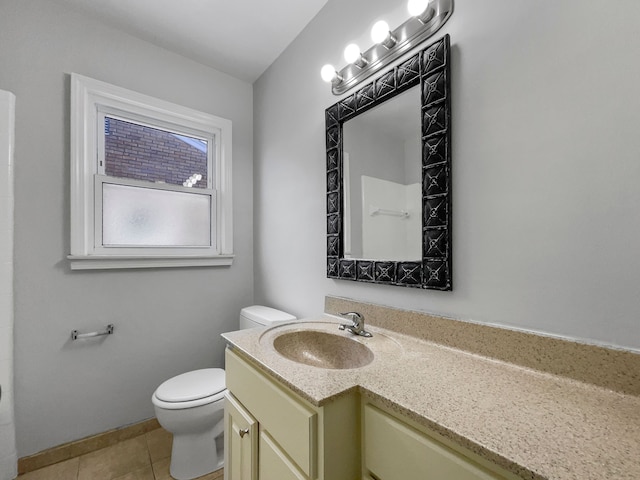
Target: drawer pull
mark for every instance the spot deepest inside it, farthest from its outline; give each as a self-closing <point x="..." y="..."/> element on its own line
<point x="243" y="432"/>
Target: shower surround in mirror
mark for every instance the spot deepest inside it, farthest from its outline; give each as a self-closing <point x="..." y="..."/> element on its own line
<point x="382" y="172"/>
<point x="428" y="69"/>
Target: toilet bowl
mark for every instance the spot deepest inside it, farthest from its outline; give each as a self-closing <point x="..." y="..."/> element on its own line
<point x="191" y="407"/>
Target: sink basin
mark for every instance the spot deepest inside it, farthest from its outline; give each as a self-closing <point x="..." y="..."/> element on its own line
<point x="322" y="349"/>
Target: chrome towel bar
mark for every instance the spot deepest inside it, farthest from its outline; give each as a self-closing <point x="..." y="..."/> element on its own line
<point x="385" y="211"/>
<point x="107" y="331"/>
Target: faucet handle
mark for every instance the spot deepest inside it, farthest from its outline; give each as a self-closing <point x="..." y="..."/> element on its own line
<point x="355" y="317"/>
<point x="357" y="326"/>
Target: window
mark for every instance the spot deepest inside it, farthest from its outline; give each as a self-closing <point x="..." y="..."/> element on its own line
<point x="150" y="181"/>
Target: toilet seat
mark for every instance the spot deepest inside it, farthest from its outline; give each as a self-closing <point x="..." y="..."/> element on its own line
<point x="191" y="389"/>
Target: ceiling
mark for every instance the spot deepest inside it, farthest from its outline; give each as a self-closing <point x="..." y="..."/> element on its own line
<point x="238" y="37"/>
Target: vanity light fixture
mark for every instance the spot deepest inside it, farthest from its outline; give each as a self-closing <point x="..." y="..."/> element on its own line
<point x="421" y="10"/>
<point x="329" y="73"/>
<point x="427" y="17"/>
<point x="192" y="180"/>
<point x="381" y="34"/>
<point x="353" y="55"/>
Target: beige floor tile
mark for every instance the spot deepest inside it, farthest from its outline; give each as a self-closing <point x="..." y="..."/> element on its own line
<point x="115" y="461"/>
<point x="214" y="475"/>
<point x="159" y="442"/>
<point x="161" y="471"/>
<point x="67" y="470"/>
<point x="142" y="474"/>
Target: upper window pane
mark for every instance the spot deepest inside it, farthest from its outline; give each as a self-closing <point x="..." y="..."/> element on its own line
<point x="139" y="152"/>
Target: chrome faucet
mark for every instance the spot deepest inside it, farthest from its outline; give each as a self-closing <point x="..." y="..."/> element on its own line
<point x="357" y="325"/>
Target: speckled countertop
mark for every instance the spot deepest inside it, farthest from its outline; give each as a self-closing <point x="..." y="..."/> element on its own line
<point x="536" y="425"/>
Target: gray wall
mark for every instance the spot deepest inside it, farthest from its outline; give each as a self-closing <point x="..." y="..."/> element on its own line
<point x="167" y="320"/>
<point x="546" y="162"/>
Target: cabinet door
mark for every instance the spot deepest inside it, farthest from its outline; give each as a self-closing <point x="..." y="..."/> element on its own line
<point x="240" y="442"/>
<point x="290" y="423"/>
<point x="273" y="464"/>
<point x="395" y="451"/>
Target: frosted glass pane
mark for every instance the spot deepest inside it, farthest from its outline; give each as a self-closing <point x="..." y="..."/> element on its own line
<point x="156" y="218"/>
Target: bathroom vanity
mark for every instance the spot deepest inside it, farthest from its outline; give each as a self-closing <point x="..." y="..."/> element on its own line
<point x="420" y="410"/>
<point x="273" y="433"/>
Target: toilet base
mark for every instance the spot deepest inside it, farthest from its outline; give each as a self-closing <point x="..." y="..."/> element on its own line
<point x="194" y="455"/>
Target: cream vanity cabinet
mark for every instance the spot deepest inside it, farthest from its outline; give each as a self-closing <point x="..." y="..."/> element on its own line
<point x="273" y="434"/>
<point x="395" y="450"/>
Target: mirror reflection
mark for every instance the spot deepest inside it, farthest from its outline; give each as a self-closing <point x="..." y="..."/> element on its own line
<point x="382" y="181"/>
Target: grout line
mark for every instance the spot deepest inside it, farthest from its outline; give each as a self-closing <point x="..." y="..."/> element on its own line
<point x="146" y="441"/>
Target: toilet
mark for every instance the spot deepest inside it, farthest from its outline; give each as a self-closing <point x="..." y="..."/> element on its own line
<point x="191" y="407"/>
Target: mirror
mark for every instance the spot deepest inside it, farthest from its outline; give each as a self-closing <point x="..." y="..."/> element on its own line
<point x="388" y="176"/>
<point x="382" y="186"/>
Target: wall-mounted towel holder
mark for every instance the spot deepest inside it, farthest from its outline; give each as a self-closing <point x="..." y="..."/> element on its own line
<point x="107" y="331"/>
<point x="384" y="211"/>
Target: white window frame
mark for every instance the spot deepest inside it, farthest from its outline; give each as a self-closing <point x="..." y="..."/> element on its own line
<point x="90" y="101"/>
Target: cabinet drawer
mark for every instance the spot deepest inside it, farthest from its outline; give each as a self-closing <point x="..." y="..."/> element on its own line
<point x="288" y="421"/>
<point x="395" y="451"/>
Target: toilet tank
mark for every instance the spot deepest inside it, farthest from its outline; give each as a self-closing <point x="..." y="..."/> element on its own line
<point x="259" y="316"/>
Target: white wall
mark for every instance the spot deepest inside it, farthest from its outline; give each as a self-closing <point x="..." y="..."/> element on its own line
<point x="387" y="235"/>
<point x="8" y="454"/>
<point x="546" y="161"/>
<point x="166" y="321"/>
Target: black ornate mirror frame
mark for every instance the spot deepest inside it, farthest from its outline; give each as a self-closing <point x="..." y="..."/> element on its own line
<point x="429" y="68"/>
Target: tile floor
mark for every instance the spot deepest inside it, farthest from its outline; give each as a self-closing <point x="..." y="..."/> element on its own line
<point x="145" y="457"/>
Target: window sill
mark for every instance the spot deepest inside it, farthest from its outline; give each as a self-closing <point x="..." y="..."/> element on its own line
<point x="105" y="262"/>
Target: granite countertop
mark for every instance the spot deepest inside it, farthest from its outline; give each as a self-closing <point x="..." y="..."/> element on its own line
<point x="534" y="424"/>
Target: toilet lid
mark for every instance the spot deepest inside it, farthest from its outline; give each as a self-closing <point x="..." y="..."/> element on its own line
<point x="192" y="385"/>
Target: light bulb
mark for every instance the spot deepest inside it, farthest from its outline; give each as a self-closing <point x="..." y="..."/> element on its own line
<point x="328" y="73"/>
<point x="352" y="53"/>
<point x="417" y="7"/>
<point x="380" y="31"/>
